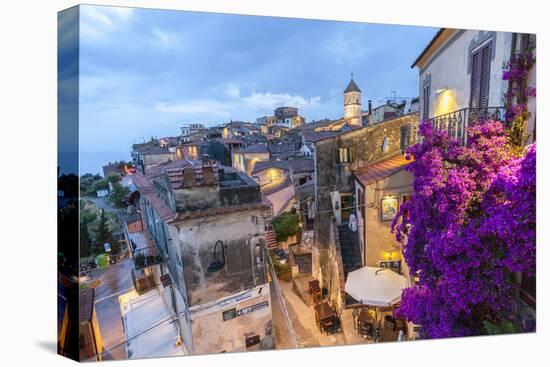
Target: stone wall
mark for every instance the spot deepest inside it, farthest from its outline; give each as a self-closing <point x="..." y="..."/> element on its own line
<point x="211" y="334"/>
<point x="366" y="144"/>
<point x="331" y="176"/>
<point x="242" y="234"/>
<point x="378" y="238"/>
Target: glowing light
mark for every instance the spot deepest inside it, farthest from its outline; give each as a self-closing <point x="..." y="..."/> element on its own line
<point x="446" y="102"/>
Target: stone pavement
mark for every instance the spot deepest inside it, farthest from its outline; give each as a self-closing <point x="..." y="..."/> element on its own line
<point x="302" y="318"/>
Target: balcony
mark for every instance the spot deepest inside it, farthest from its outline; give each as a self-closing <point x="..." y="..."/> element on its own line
<point x="146" y="257"/>
<point x="145" y="252"/>
<point x="456" y="123"/>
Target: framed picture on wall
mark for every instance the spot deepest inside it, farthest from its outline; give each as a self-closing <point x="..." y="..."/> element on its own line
<point x="389" y="208"/>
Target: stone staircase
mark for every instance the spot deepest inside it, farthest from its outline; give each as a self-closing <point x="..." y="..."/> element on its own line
<point x="303" y="261"/>
<point x="349" y="248"/>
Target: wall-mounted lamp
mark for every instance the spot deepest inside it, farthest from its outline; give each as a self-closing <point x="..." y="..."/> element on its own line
<point x="218" y="263"/>
<point x="441" y="90"/>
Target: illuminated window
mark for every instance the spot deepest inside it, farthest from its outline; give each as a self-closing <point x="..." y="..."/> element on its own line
<point x="385" y="144"/>
<point x="344" y="155"/>
<point x="405" y="138"/>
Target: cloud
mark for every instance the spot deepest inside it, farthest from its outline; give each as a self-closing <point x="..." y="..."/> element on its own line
<point x="98" y="21"/>
<point x="232" y="90"/>
<point x="165" y="39"/>
<point x="203" y="106"/>
<point x="270" y="100"/>
<point x="347" y="45"/>
<point x="236" y="106"/>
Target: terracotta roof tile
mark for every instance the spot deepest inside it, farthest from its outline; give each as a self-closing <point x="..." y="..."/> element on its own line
<point x="274" y="187"/>
<point x="380" y="170"/>
<point x="296" y="165"/>
<point x="255" y="148"/>
<point x="230" y="141"/>
<point x="86" y="304"/>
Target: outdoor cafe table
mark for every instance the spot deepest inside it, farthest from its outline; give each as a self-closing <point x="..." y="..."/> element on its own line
<point x="365" y="316"/>
<point x="324" y="313"/>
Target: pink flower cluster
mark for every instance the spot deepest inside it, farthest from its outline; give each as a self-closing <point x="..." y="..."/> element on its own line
<point x="469" y="224"/>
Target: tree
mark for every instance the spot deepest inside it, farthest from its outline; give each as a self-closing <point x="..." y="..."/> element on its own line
<point x="103" y="233"/>
<point x="87" y="184"/>
<point x="86" y="218"/>
<point x="469" y="225"/>
<point x="85" y="240"/>
<point x="114" y="178"/>
<point x="118" y="195"/>
<point x="100" y="185"/>
<point x="286" y="225"/>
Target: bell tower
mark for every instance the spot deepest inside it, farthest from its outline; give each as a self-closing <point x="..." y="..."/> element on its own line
<point x="352" y="103"/>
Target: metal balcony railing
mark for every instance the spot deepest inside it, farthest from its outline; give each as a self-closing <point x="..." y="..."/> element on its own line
<point x="146" y="257"/>
<point x="456" y="123"/>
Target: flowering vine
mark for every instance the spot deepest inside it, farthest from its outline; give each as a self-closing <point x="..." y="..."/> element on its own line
<point x="515" y="71"/>
<point x="469" y="224"/>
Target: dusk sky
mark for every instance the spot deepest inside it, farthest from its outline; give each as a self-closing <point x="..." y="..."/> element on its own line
<point x="146" y="72"/>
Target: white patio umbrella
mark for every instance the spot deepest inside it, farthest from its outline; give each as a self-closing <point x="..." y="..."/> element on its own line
<point x="380" y="287"/>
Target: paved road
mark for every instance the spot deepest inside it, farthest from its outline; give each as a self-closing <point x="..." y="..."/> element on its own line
<point x="302" y="320"/>
<point x="115" y="281"/>
<point x="281" y="329"/>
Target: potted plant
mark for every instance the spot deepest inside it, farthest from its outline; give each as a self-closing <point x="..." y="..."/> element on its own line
<point x="139" y="259"/>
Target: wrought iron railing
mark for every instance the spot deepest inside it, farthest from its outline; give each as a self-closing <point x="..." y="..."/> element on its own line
<point x="146" y="257"/>
<point x="456" y="123"/>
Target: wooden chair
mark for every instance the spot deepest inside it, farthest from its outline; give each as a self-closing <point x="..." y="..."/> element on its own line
<point x="315" y="290"/>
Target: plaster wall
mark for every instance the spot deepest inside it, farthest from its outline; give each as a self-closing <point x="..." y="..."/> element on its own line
<point x="448" y="71"/>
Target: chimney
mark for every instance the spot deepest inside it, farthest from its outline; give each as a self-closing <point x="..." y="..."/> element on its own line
<point x="370" y="113"/>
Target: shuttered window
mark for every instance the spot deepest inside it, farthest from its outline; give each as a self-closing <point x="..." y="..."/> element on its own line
<point x="481" y="68"/>
<point x="426" y="102"/>
<point x="344" y="155"/>
<point x="404" y="141"/>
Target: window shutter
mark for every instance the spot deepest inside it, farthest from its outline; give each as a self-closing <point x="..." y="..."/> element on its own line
<point x="426" y="100"/>
<point x="475" y="81"/>
<point x="350" y="155"/>
<point x="484" y="76"/>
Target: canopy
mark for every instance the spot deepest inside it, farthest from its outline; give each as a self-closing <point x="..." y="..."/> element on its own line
<point x="375" y="286"/>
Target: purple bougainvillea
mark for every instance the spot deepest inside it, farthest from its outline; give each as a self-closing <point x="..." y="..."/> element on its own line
<point x="469" y="225"/>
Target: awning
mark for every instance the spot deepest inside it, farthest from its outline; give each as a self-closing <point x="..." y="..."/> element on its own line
<point x="373" y="286"/>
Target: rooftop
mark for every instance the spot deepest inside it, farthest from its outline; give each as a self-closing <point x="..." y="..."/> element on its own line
<point x="314" y="125"/>
<point x="380" y="170"/>
<point x="230" y="141"/>
<point x="296" y="165"/>
<point x="140" y="313"/>
<point x="86" y="302"/>
<point x="152" y="149"/>
<point x="226" y="189"/>
<point x="352" y="87"/>
<point x="255" y="148"/>
<point x="436" y="42"/>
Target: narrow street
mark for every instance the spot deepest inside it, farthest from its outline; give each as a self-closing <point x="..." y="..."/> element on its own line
<point x="115" y="281"/>
<point x="300" y="325"/>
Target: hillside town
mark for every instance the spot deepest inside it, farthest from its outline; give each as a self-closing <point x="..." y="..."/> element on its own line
<point x="286" y="232"/>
